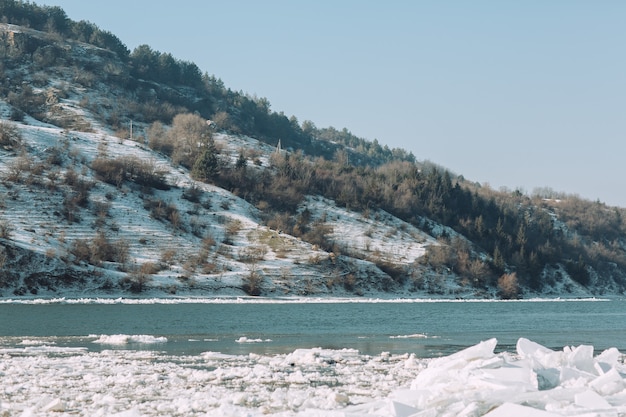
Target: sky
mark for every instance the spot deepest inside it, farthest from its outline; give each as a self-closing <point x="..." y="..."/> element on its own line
<point x="514" y="94"/>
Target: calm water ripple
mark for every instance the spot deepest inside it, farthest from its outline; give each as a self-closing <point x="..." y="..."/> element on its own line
<point x="427" y="329"/>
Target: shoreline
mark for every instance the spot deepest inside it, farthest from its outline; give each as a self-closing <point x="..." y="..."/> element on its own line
<point x="279" y="300"/>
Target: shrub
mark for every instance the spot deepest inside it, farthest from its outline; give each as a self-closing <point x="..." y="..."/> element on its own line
<point x="100" y="249"/>
<point x="479" y="273"/>
<point x="3" y="261"/>
<point x="129" y="168"/>
<point x="101" y="208"/>
<point x="17" y="115"/>
<point x="81" y="251"/>
<point x="252" y="283"/>
<point x="70" y="210"/>
<point x="197" y="226"/>
<point x="160" y="210"/>
<point x="396" y="272"/>
<point x="150" y="268"/>
<point x="20" y="165"/>
<point x="80" y="191"/>
<point x="27" y="101"/>
<point x="439" y="256"/>
<point x="55" y="156"/>
<point x="10" y="136"/>
<point x="349" y="282"/>
<point x="109" y="170"/>
<point x="281" y="222"/>
<point x="137" y="280"/>
<point x="230" y="231"/>
<point x="318" y="236"/>
<point x="168" y="256"/>
<point x="158" y="140"/>
<point x="147" y="174"/>
<point x="193" y="194"/>
<point x="5" y="229"/>
<point x="252" y="254"/>
<point x="176" y="220"/>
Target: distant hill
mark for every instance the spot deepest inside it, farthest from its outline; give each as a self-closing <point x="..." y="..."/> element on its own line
<point x="133" y="171"/>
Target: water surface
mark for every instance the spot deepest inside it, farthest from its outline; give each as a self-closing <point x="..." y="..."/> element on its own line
<point x="427" y="329"/>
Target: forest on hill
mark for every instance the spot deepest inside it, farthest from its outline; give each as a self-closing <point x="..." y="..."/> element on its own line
<point x="492" y="238"/>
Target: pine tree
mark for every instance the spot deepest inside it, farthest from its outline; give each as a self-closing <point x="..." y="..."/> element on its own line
<point x="206" y="166"/>
<point x="498" y="260"/>
<point x="241" y="162"/>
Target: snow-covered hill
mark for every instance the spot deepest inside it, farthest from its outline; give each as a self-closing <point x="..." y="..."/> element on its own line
<point x="216" y="246"/>
<point x="67" y="231"/>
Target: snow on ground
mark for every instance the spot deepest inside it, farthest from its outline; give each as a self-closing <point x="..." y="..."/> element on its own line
<point x="43" y="380"/>
<point x="240" y="246"/>
<point x="378" y="235"/>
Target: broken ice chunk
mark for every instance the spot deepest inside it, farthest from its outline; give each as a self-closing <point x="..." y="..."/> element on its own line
<point x="591" y="400"/>
<point x="574" y="377"/>
<point x="609" y="357"/>
<point x="538" y="354"/>
<point x="402" y="410"/>
<point x="527" y="348"/>
<point x="482" y="350"/>
<point x="548" y="378"/>
<point x="443" y="370"/>
<point x="609" y="383"/>
<point x="522" y="378"/>
<point x="581" y="358"/>
<point x="516" y="410"/>
<point x="55" y="405"/>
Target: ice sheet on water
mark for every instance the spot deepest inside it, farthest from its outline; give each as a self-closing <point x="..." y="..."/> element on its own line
<point x="42" y="350"/>
<point x="125" y="339"/>
<point x="412" y="336"/>
<point x="244" y="339"/>
<point x="533" y="381"/>
<point x="35" y="342"/>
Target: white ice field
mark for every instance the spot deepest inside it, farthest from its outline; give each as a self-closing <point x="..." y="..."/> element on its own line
<point x="38" y="378"/>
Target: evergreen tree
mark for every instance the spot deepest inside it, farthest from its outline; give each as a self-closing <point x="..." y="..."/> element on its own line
<point x="207" y="164"/>
<point x="241" y="161"/>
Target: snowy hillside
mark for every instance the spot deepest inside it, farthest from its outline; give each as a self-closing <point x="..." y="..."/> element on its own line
<point x="217" y="245"/>
<point x="90" y="206"/>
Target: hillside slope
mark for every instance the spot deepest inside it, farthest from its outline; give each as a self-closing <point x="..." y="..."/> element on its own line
<point x="90" y="206"/>
<point x="216" y="245"/>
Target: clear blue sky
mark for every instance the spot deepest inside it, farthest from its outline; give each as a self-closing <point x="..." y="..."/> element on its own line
<point x="517" y="94"/>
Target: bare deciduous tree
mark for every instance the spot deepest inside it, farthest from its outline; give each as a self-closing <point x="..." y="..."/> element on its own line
<point x="508" y="286"/>
<point x="190" y="135"/>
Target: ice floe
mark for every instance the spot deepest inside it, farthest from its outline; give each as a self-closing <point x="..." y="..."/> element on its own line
<point x="244" y="339"/>
<point x="124" y="339"/>
<point x="411" y="336"/>
<point x="532" y="381"/>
